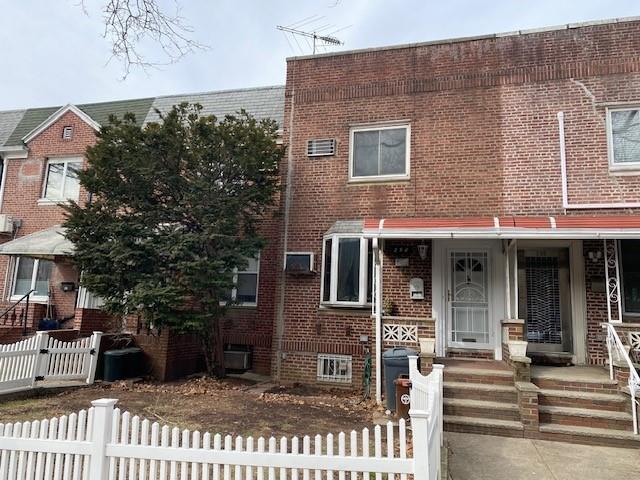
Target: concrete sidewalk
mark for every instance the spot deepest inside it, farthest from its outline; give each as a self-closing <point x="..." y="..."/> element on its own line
<point x="480" y="457"/>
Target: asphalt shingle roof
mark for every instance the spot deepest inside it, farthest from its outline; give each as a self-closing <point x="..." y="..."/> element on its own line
<point x="264" y="102"/>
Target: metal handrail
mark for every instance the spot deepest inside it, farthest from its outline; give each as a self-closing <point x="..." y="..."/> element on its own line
<point x="15" y="305"/>
<point x="613" y="341"/>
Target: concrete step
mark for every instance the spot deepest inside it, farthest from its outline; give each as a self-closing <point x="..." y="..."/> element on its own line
<point x="462" y="407"/>
<point x="586" y="417"/>
<point x="480" y="391"/>
<point x="590" y="400"/>
<point x="589" y="435"/>
<point x="478" y="375"/>
<point x="486" y="426"/>
<point x="595" y="386"/>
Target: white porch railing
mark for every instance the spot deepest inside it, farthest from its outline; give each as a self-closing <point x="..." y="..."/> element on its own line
<point x="44" y="358"/>
<point x="103" y="443"/>
<point x="619" y="354"/>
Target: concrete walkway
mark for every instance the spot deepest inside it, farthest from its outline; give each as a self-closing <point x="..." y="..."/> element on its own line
<point x="480" y="457"/>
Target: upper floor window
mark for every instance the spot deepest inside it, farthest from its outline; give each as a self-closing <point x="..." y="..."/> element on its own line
<point x="347" y="269"/>
<point x="61" y="182"/>
<point x="32" y="274"/>
<point x="379" y="153"/>
<point x="245" y="284"/>
<point x="624" y="138"/>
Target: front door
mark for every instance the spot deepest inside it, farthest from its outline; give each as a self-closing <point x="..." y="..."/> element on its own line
<point x="544" y="298"/>
<point x="468" y="299"/>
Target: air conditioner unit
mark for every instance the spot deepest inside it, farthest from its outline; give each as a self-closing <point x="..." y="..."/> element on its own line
<point x="6" y="223"/>
<point x="299" y="262"/>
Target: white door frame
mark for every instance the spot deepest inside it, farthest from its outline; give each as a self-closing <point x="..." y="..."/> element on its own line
<point x="578" y="291"/>
<point x="497" y="289"/>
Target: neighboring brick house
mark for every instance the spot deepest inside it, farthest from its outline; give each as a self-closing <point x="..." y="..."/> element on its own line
<point x="40" y="150"/>
<point x="489" y="178"/>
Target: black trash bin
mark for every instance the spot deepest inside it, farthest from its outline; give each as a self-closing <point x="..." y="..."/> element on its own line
<point x="121" y="364"/>
<point x="396" y="363"/>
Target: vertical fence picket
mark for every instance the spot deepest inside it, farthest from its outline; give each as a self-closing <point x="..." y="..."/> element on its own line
<point x="135" y="433"/>
<point x="237" y="470"/>
<point x="164" y="442"/>
<point x="48" y="463"/>
<point x="155" y="441"/>
<point x="144" y="441"/>
<point x="217" y="445"/>
<point x="31" y="456"/>
<point x="195" y="470"/>
<point x="330" y="454"/>
<point x="184" y="466"/>
<point x="377" y="438"/>
<point x="365" y="450"/>
<point x="88" y="435"/>
<point x="70" y="436"/>
<point x="13" y="455"/>
<point x="124" y="440"/>
<point x="206" y="445"/>
<point x="76" y="460"/>
<point x="353" y="445"/>
<point x="390" y="446"/>
<point x="22" y="456"/>
<point x="317" y="451"/>
<point x="175" y="443"/>
<point x="249" y="469"/>
<point x="272" y="449"/>
<point x="60" y="435"/>
<point x="341" y="453"/>
<point x="306" y="450"/>
<point x="402" y="437"/>
<point x="283" y="449"/>
<point x="294" y="451"/>
<point x="115" y="436"/>
<point x="226" y="469"/>
<point x="4" y="455"/>
<point x="260" y="470"/>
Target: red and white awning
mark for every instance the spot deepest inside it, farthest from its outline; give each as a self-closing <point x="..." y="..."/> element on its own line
<point x="561" y="227"/>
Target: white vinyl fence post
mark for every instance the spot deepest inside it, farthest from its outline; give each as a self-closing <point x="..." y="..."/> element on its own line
<point x="420" y="432"/>
<point x="101" y="435"/>
<point x="93" y="356"/>
<point x="41" y="362"/>
<point x="439" y="369"/>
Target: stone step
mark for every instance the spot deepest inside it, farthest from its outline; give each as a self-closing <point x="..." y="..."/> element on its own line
<point x="589" y="435"/>
<point x="586" y="417"/>
<point x="595" y="386"/>
<point x="478" y="375"/>
<point x="590" y="400"/>
<point x="486" y="426"/>
<point x="479" y="391"/>
<point x="462" y="407"/>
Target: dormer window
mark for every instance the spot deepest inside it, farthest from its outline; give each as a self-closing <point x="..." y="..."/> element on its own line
<point x="67" y="132"/>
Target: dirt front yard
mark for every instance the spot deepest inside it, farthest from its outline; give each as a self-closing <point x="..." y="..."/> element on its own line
<point x="231" y="406"/>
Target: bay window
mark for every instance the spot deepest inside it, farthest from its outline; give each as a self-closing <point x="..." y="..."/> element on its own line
<point x="346" y="270"/>
<point x="32" y="274"/>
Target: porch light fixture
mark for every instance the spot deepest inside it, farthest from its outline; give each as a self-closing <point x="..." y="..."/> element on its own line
<point x="423" y="250"/>
<point x="595" y="256"/>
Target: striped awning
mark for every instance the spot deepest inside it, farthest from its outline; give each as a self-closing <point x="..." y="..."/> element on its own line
<point x="561" y="226"/>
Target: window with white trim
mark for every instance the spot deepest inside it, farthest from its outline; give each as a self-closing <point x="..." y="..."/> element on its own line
<point x="347" y="269"/>
<point x="245" y="284"/>
<point x="630" y="276"/>
<point x="623" y="135"/>
<point x="32" y="274"/>
<point x="379" y="153"/>
<point x="334" y="368"/>
<point x="61" y="182"/>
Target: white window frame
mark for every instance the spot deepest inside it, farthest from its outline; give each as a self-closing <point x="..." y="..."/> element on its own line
<point x="33" y="297"/>
<point x="335" y="378"/>
<point x="65" y="161"/>
<point x="381" y="178"/>
<point x="234" y="290"/>
<point x="613" y="166"/>
<point x="333" y="293"/>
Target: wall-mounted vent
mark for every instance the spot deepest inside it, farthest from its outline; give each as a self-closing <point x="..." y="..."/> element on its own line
<point x="321" y="147"/>
<point x="67" y="132"/>
<point x="299" y="262"/>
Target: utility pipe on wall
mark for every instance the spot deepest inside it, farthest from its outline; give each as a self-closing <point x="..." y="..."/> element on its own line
<point x="378" y="316"/>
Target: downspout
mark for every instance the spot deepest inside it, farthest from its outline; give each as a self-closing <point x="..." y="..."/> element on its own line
<point x="565" y="189"/>
<point x="3" y="179"/>
<point x="378" y="316"/>
<point x="287" y="206"/>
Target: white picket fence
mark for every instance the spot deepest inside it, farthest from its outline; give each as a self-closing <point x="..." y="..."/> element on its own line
<point x="103" y="443"/>
<point x="42" y="357"/>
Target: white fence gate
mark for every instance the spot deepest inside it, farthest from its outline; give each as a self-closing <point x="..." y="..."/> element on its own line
<point x="44" y="358"/>
<point x="103" y="443"/>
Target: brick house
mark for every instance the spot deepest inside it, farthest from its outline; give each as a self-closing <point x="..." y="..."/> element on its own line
<point x="481" y="194"/>
<point x="40" y="150"/>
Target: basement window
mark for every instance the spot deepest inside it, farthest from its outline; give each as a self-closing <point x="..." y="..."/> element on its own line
<point x="379" y="153"/>
<point x="623" y="136"/>
<point x="62" y="181"/>
<point x="347" y="268"/>
<point x="334" y="368"/>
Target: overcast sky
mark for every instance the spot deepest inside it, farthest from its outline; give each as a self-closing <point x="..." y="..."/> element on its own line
<point x="54" y="54"/>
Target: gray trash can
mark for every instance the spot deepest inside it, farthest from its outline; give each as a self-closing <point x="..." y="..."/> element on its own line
<point x="396" y="363"/>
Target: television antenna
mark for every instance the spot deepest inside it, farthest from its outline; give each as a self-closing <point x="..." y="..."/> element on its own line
<point x="314" y="31"/>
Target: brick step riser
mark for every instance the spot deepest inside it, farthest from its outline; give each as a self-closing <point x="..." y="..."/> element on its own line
<point x="579" y="421"/>
<point x="576" y="386"/>
<point x="482" y="429"/>
<point x="504" y="397"/>
<point x="484" y="380"/>
<point x="611" y="406"/>
<point x="465" y="411"/>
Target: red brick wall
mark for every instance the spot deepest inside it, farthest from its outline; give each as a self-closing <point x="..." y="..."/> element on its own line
<point x="596" y="304"/>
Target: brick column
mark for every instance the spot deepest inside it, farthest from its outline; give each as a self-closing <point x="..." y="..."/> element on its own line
<point x="528" y="405"/>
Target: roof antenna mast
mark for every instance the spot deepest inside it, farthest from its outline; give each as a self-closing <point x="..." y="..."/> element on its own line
<point x="322" y="35"/>
<point x="326" y="39"/>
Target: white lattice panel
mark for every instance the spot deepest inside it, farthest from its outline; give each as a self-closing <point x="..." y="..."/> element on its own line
<point x="392" y="332"/>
